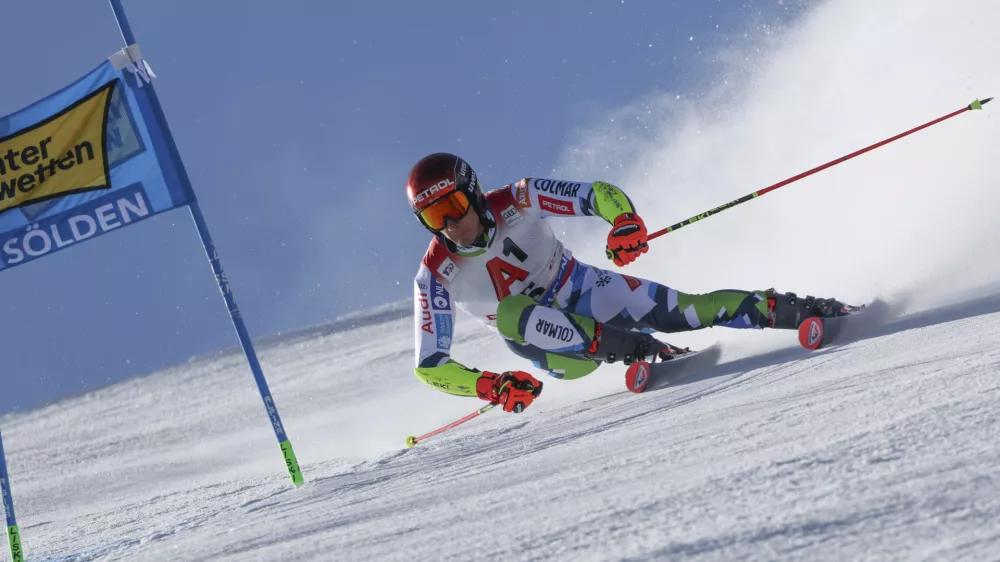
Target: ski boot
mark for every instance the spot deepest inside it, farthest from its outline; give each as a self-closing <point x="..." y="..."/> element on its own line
<point x="786" y="311"/>
<point x="611" y="344"/>
<point x="635" y="349"/>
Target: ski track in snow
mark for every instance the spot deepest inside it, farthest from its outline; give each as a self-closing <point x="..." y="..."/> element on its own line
<point x="884" y="447"/>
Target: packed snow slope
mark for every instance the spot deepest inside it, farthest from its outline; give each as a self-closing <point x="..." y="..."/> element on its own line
<point x="885" y="447"/>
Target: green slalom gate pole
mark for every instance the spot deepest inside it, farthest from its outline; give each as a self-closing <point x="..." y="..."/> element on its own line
<point x="13" y="535"/>
<point x="972" y="106"/>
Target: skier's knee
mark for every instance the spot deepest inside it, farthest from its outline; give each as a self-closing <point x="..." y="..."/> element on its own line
<point x="509" y="314"/>
<point x="578" y="369"/>
<point x="566" y="368"/>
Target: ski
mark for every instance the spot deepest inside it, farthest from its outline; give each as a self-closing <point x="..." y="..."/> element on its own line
<point x="642" y="376"/>
<point x="816" y="333"/>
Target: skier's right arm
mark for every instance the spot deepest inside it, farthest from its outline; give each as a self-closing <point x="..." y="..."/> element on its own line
<point x="434" y="318"/>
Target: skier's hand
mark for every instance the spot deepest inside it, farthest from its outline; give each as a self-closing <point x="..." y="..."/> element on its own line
<point x="627" y="239"/>
<point x="514" y="390"/>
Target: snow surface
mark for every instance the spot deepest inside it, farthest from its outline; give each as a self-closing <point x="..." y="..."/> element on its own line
<point x="882" y="448"/>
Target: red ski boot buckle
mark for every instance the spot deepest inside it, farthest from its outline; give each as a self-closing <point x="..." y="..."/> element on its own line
<point x="637" y="376"/>
<point x="811" y="333"/>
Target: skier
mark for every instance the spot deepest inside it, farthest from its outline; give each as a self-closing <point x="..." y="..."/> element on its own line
<point x="494" y="257"/>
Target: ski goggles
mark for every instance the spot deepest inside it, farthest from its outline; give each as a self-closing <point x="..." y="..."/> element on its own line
<point x="452" y="206"/>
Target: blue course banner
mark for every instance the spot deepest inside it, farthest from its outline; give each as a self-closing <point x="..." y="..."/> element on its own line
<point x="86" y="160"/>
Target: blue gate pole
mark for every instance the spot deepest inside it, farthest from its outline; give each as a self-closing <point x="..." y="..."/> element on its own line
<point x="291" y="462"/>
<point x="13" y="535"/>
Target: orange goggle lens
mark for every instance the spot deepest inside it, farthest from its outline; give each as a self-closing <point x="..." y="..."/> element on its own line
<point x="452" y="206"/>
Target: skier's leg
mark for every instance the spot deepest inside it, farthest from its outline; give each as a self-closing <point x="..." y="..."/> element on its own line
<point x="639" y="304"/>
<point x="560" y="366"/>
<point x="676" y="311"/>
<point x="526" y="322"/>
<point x="603" y="316"/>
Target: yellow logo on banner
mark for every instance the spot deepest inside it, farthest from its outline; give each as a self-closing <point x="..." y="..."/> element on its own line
<point x="61" y="155"/>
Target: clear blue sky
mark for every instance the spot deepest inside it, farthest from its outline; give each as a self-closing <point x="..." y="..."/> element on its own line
<point x="298" y="122"/>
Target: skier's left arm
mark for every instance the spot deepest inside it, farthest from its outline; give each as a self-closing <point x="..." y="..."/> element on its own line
<point x="551" y="197"/>
<point x="512" y="390"/>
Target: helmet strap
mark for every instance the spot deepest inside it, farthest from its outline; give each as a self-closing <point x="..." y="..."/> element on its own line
<point x="489" y="229"/>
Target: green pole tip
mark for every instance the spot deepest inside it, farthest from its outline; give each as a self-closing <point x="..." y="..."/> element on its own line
<point x="979" y="104"/>
<point x="411" y="441"/>
<point x="292" y="462"/>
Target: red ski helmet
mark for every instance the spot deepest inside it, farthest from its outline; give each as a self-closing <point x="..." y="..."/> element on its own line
<point x="443" y="186"/>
